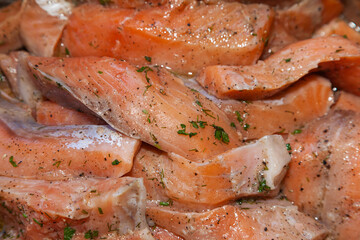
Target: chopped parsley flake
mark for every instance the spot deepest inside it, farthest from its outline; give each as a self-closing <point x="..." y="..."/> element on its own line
<point x="11" y="160"/>
<point x="37" y="222"/>
<point x="69" y="233"/>
<point x="238" y="116"/>
<point x="220" y="134"/>
<point x="287" y="60"/>
<point x="100" y="210"/>
<point x="246" y="126"/>
<point x="262" y="185"/>
<point x="67" y="52"/>
<point x="148" y="59"/>
<point x="104" y="2"/>
<point x="115" y="162"/>
<point x="288" y="146"/>
<point x="296" y="131"/>
<point x="232" y="125"/>
<point x="168" y="203"/>
<point x="91" y="234"/>
<point x="183" y="131"/>
<point x="100" y="72"/>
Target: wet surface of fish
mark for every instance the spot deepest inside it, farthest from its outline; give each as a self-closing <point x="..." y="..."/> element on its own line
<point x="255" y="169"/>
<point x="336" y="54"/>
<point x="185" y="38"/>
<point x="265" y="220"/>
<point x="146" y="103"/>
<point x="38" y="209"/>
<point x="324" y="172"/>
<point x="36" y="151"/>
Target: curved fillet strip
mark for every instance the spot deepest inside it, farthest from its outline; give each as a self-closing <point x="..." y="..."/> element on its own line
<point x="283" y="68"/>
<point x="242" y="171"/>
<point x="42" y="24"/>
<point x="286" y="111"/>
<point x="31" y="150"/>
<point x="325" y="171"/>
<point x="185" y="37"/>
<point x="113" y="208"/>
<point x="264" y="220"/>
<point x="152" y="105"/>
<point x="10" y="18"/>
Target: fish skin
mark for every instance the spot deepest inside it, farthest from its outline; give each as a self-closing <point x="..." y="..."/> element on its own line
<point x="213" y="182"/>
<point x="119" y="95"/>
<point x="324" y="172"/>
<point x="259" y="220"/>
<point x="46" y="152"/>
<point x="75" y="203"/>
<point x="189" y="44"/>
<point x="264" y="79"/>
<point x="52" y="114"/>
<point x="41" y="28"/>
<point x="10" y="17"/>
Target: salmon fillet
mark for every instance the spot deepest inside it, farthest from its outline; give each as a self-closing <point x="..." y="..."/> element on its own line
<point x="263" y="220"/>
<point x="266" y="78"/>
<point x="42" y="24"/>
<point x="39" y="209"/>
<point x="347" y="101"/>
<point x="146" y="103"/>
<point x="36" y="151"/>
<point x="175" y="36"/>
<point x="255" y="169"/>
<point x="324" y="172"/>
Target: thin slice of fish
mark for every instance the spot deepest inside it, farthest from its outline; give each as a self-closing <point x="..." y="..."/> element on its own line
<point x="146" y="103"/>
<point x="264" y="220"/>
<point x="32" y="150"/>
<point x="184" y="37"/>
<point x="76" y="209"/>
<point x="255" y="169"/>
<point x="266" y="78"/>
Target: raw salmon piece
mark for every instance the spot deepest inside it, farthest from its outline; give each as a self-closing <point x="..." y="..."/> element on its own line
<point x="285" y="112"/>
<point x="49" y="113"/>
<point x="299" y="21"/>
<point x="185" y="37"/>
<point x="146" y="103"/>
<point x="255" y="169"/>
<point x="42" y="24"/>
<point x="10" y="17"/>
<point x="324" y="172"/>
<point x="303" y="18"/>
<point x="31" y="150"/>
<point x="76" y="209"/>
<point x="15" y="69"/>
<point x="264" y="220"/>
<point x="347" y="101"/>
<point x="338" y="27"/>
<point x="137" y="4"/>
<point x="283" y="68"/>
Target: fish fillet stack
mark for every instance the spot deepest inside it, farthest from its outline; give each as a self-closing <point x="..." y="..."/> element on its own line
<point x="179" y="119"/>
